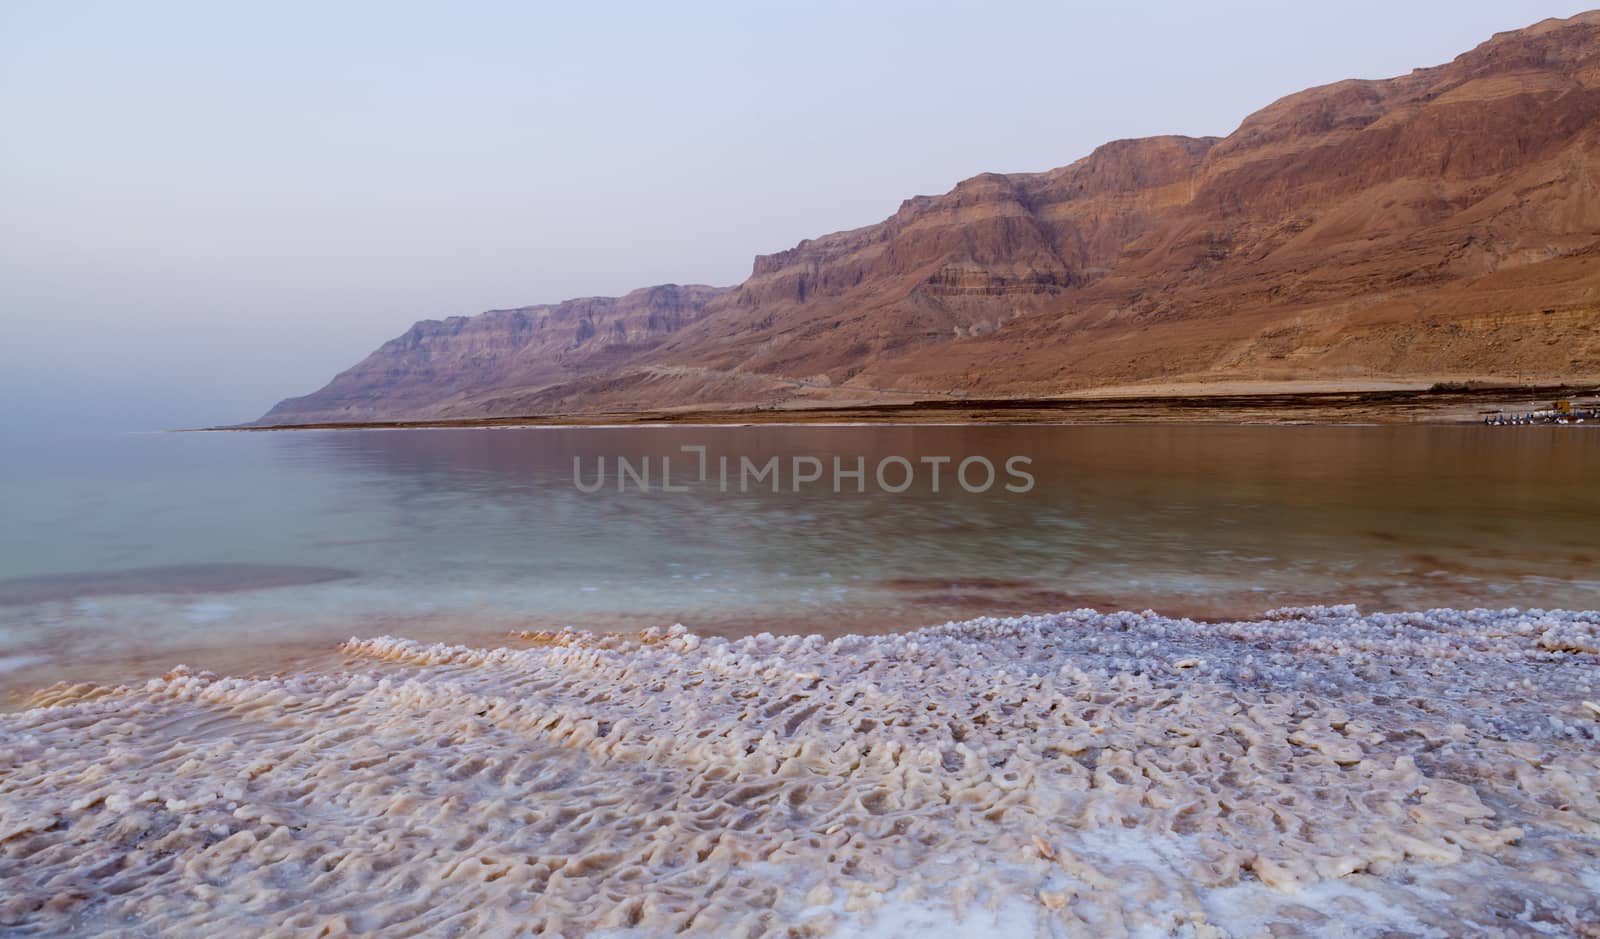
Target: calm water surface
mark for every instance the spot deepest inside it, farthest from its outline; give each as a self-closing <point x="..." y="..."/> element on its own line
<point x="122" y="556"/>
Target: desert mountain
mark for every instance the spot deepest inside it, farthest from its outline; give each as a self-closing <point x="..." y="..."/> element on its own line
<point x="1442" y="224"/>
<point x="438" y="366"/>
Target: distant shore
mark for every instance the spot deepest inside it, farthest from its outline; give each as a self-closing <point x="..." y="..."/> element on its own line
<point x="1252" y="403"/>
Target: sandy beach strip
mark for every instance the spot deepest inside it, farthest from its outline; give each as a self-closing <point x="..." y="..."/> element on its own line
<point x="1352" y="402"/>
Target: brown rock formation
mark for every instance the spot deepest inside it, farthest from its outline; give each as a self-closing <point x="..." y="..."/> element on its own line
<point x="437" y="364"/>
<point x="1445" y="223"/>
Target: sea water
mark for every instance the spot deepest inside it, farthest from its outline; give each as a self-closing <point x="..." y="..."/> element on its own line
<point x="121" y="556"/>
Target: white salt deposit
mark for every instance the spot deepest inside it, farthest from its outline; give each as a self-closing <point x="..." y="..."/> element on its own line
<point x="1314" y="772"/>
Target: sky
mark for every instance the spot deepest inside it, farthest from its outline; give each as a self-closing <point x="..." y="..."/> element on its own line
<point x="206" y="207"/>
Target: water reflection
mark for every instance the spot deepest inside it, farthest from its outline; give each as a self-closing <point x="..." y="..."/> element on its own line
<point x="1197" y="518"/>
<point x="455" y="531"/>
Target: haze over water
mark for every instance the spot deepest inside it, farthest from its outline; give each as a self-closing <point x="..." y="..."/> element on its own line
<point x="122" y="556"/>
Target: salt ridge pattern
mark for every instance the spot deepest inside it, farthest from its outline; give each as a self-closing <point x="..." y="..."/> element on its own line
<point x="1312" y="772"/>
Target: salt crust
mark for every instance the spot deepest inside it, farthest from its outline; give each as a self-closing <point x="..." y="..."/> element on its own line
<point x="1313" y="772"/>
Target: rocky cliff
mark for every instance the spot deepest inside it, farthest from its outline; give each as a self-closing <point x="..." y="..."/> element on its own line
<point x="1444" y="223"/>
<point x="439" y="364"/>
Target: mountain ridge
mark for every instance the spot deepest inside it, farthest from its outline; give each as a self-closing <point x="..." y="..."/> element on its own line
<point x="1439" y="224"/>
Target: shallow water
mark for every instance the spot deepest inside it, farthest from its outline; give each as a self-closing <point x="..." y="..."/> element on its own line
<point x="123" y="556"/>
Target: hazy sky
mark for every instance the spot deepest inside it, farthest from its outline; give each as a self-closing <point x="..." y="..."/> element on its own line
<point x="205" y="207"/>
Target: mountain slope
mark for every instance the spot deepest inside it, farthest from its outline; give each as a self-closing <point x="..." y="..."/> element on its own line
<point x="1442" y="223"/>
<point x="439" y="363"/>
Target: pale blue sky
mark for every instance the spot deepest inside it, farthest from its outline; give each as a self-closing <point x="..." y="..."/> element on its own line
<point x="206" y="207"/>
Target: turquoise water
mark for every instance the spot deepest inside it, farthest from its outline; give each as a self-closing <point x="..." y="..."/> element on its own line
<point x="123" y="555"/>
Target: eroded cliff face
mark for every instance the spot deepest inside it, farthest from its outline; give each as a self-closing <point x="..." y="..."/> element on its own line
<point x="1442" y="223"/>
<point x="437" y="364"/>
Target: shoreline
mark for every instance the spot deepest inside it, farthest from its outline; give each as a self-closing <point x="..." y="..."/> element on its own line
<point x="1228" y="405"/>
<point x="28" y="672"/>
<point x="1312" y="769"/>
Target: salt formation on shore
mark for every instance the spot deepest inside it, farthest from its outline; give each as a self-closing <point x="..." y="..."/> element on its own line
<point x="1313" y="772"/>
